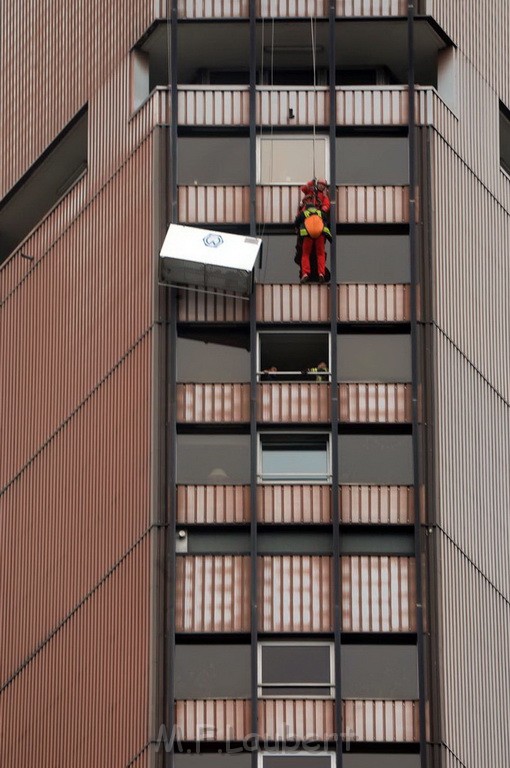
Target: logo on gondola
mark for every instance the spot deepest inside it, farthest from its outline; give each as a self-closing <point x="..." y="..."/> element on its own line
<point x="213" y="241"/>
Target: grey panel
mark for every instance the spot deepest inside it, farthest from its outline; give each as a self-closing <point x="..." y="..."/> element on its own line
<point x="212" y="671"/>
<point x="220" y="459"/>
<point x="379" y="672"/>
<point x="213" y="761"/>
<point x="205" y="361"/>
<point x="374" y="357"/>
<point x="218" y="541"/>
<point x="373" y="259"/>
<point x="296" y="663"/>
<point x="371" y="160"/>
<point x="278" y="264"/>
<point x="296" y="761"/>
<point x="275" y="542"/>
<point x="381" y="761"/>
<point x="381" y="542"/>
<point x="386" y="459"/>
<point x="213" y="160"/>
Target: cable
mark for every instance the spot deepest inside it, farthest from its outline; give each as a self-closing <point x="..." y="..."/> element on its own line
<point x="313" y="34"/>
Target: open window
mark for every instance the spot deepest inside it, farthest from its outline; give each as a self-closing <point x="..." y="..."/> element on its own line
<point x="294" y="457"/>
<point x="278" y="155"/>
<point x="291" y="356"/>
<point x="504" y="137"/>
<point x="296" y="669"/>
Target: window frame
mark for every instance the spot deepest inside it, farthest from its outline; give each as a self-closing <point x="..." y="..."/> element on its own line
<point x="309" y="643"/>
<point x="294" y="479"/>
<point x="320" y="173"/>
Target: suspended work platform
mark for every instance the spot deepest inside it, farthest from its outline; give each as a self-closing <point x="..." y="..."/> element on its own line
<point x="207" y="260"/>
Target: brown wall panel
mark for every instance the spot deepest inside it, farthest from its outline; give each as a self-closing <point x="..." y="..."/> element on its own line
<point x="76" y="695"/>
<point x="375" y="403"/>
<point x="382" y="721"/>
<point x="378" y="594"/>
<point x="197" y="306"/>
<point x="213" y="719"/>
<point x="294" y="503"/>
<point x="83" y="304"/>
<point x="213" y="403"/>
<point x="213" y="593"/>
<point x="293" y="402"/>
<point x="292" y="106"/>
<point x="373" y="205"/>
<point x="288" y="719"/>
<point x="214" y="204"/>
<point x="295" y="594"/>
<point x="213" y="504"/>
<point x="366" y="303"/>
<point x="196" y="9"/>
<point x="76" y="509"/>
<point x="379" y="504"/>
<point x="206" y="105"/>
<point x="292" y="303"/>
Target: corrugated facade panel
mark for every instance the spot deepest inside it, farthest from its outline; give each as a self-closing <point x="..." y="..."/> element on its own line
<point x="379" y="504"/>
<point x="293" y="402"/>
<point x="212" y="593"/>
<point x="371" y="7"/>
<point x="198" y="306"/>
<point x="216" y="504"/>
<point x="77" y="41"/>
<point x="372" y="205"/>
<point x="212" y="719"/>
<point x="216" y="9"/>
<point x="378" y="594"/>
<point x="289" y="719"/>
<point x="76" y="694"/>
<point x="213" y="403"/>
<point x="292" y="303"/>
<point x="294" y="503"/>
<point x="381" y="721"/>
<point x="197" y="9"/>
<point x="206" y="105"/>
<point x="214" y="204"/>
<point x="375" y="403"/>
<point x="368" y="303"/>
<point x="84" y="303"/>
<point x="295" y="594"/>
<point x="292" y="106"/>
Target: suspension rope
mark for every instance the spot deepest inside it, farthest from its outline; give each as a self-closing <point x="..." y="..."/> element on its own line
<point x="314" y="66"/>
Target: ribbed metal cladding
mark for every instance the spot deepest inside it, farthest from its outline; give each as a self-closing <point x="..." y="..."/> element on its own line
<point x="215" y="504"/>
<point x="277" y="204"/>
<point x="375" y="403"/>
<point x="369" y="303"/>
<point x="77" y="693"/>
<point x="295" y="594"/>
<point x="293" y="402"/>
<point x="213" y="403"/>
<point x="292" y="303"/>
<point x="76" y="314"/>
<point x="300" y="719"/>
<point x="292" y="106"/>
<point x="381" y="721"/>
<point x="198" y="306"/>
<point x="212" y="719"/>
<point x="201" y="105"/>
<point x="217" y="9"/>
<point x="294" y="504"/>
<point x="77" y="41"/>
<point x="378" y="594"/>
<point x="212" y="593"/>
<point x="377" y="504"/>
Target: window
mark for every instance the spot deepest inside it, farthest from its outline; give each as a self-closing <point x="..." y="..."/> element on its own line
<point x="385" y="459"/>
<point x="217" y="459"/>
<point x="504" y="137"/>
<point x="371" y="160"/>
<point x="277" y="254"/>
<point x="295" y="457"/>
<point x="213" y="160"/>
<point x="297" y="760"/>
<point x="296" y="669"/>
<point x="375" y="760"/>
<point x="277" y="158"/>
<point x="379" y="671"/>
<point x="212" y="760"/>
<point x="292" y="353"/>
<point x="44" y="184"/>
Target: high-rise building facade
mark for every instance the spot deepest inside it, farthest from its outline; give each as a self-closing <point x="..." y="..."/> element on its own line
<point x="216" y="551"/>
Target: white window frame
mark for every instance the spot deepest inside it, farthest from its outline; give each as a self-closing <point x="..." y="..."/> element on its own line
<point x="294" y="479"/>
<point x="263" y="332"/>
<point x="261" y="684"/>
<point x="287" y="138"/>
<point x="301" y="753"/>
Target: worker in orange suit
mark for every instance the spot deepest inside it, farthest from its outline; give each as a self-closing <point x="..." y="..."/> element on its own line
<point x="312" y="228"/>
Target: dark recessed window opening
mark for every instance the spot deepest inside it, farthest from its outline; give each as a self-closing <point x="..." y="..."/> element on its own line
<point x="290" y="356"/>
<point x="44" y="184"/>
<point x="504" y="137"/>
<point x="296" y="669"/>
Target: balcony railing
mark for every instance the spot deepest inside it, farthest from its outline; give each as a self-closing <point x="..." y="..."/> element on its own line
<point x="235" y="9"/>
